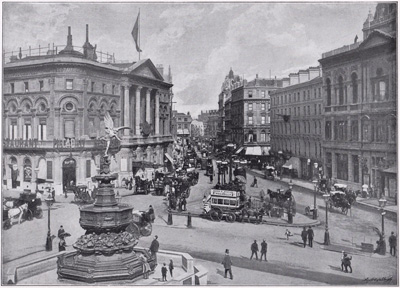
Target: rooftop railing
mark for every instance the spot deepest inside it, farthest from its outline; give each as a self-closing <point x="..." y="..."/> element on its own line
<point x="52" y="51"/>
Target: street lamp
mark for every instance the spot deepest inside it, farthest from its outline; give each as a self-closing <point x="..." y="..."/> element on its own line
<point x="327" y="240"/>
<point x="224" y="169"/>
<point x="49" y="242"/>
<point x="231" y="148"/>
<point x="315" y="211"/>
<point x="219" y="171"/>
<point x="382" y="204"/>
<point x="290" y="216"/>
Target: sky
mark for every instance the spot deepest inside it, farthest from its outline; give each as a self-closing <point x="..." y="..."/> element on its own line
<point x="200" y="41"/>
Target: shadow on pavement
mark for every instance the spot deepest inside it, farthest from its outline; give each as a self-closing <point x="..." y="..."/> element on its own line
<point x="298" y="244"/>
<point x="336" y="268"/>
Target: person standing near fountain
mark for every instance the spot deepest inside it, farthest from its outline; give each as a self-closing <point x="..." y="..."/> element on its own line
<point x="154" y="248"/>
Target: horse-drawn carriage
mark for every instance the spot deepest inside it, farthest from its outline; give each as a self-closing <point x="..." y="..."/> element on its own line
<point x="141" y="224"/>
<point x="82" y="194"/>
<point x="280" y="201"/>
<point x="180" y="188"/>
<point x="269" y="173"/>
<point x="339" y="199"/>
<point x="141" y="185"/>
<point x="26" y="207"/>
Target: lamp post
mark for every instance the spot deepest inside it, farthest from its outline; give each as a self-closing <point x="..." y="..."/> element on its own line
<point x="315" y="211"/>
<point x="49" y="242"/>
<point x="382" y="203"/>
<point x="231" y="148"/>
<point x="327" y="240"/>
<point x="219" y="171"/>
<point x="224" y="170"/>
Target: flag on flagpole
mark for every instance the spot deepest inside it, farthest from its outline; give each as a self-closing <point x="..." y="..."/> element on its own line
<point x="135" y="33"/>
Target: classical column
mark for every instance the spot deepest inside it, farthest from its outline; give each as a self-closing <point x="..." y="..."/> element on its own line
<point x="148" y="119"/>
<point x="126" y="109"/>
<point x="137" y="122"/>
<point x="157" y="114"/>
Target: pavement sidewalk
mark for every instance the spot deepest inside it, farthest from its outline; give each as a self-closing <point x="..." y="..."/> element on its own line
<point x="370" y="203"/>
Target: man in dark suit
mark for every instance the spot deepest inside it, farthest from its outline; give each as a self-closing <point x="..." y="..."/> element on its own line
<point x="227" y="262"/>
<point x="254" y="250"/>
<point x="154" y="247"/>
<point x="304" y="235"/>
<point x="310" y="233"/>
<point x="264" y="246"/>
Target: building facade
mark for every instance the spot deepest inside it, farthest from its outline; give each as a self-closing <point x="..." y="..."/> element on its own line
<point x="183" y="125"/>
<point x="54" y="109"/>
<point x="359" y="95"/>
<point x="296" y="121"/>
<point x="197" y="129"/>
<point x="250" y="113"/>
<point x="211" y="121"/>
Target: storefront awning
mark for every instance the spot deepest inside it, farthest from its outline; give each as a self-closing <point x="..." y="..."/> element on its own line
<point x="239" y="150"/>
<point x="256" y="151"/>
<point x="392" y="170"/>
<point x="169" y="158"/>
<point x="292" y="163"/>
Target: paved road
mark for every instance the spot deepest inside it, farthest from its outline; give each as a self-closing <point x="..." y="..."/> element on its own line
<point x="207" y="241"/>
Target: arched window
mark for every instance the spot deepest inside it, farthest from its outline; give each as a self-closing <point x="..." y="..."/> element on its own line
<point x="27" y="170"/>
<point x="328" y="92"/>
<point x="341" y="90"/>
<point x="354" y="84"/>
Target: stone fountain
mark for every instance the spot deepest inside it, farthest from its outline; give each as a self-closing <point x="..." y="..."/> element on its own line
<point x="106" y="252"/>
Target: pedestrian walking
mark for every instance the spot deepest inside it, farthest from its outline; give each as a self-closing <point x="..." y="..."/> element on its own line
<point x="154" y="247"/>
<point x="171" y="267"/>
<point x="164" y="273"/>
<point x="288" y="234"/>
<point x="61" y="231"/>
<point x="53" y="194"/>
<point x="342" y="260"/>
<point x="151" y="214"/>
<point x="304" y="235"/>
<point x="254" y="250"/>
<point x="310" y="233"/>
<point x="264" y="246"/>
<point x="227" y="262"/>
<point x="392" y="244"/>
<point x="183" y="204"/>
<point x="347" y="263"/>
<point x="255" y="182"/>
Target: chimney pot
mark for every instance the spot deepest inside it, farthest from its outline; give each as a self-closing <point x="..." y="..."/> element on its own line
<point x="69" y="30"/>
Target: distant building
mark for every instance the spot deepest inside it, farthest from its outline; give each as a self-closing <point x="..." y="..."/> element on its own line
<point x="211" y="121"/>
<point x="249" y="113"/>
<point x="197" y="129"/>
<point x="183" y="126"/>
<point x="54" y="107"/>
<point x="296" y="121"/>
<point x="359" y="96"/>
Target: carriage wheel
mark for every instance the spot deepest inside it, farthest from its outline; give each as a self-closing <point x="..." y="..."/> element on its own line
<point x="230" y="217"/>
<point x="216" y="214"/>
<point x="7" y="224"/>
<point x="29" y="215"/>
<point x="38" y="213"/>
<point x="345" y="210"/>
<point x="146" y="230"/>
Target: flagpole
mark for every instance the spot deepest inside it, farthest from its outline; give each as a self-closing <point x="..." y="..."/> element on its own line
<point x="139" y="34"/>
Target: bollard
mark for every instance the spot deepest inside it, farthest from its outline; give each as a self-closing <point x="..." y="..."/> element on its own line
<point x="169" y="217"/>
<point x="189" y="220"/>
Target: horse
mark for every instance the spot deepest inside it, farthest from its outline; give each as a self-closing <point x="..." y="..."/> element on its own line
<point x="257" y="213"/>
<point x="19" y="211"/>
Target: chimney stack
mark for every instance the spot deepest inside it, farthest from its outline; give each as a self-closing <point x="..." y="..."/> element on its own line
<point x="87" y="32"/>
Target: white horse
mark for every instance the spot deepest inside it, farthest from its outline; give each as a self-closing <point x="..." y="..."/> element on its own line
<point x="17" y="212"/>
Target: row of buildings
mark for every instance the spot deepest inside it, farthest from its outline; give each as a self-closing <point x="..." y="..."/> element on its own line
<point x="337" y="120"/>
<point x="54" y="104"/>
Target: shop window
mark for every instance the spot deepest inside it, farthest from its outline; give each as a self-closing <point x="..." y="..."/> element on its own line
<point x="49" y="170"/>
<point x="27" y="170"/>
<point x="342" y="166"/>
<point x="88" y="168"/>
<point x="356" y="169"/>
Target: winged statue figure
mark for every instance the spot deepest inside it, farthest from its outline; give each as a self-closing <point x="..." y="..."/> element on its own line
<point x="111" y="132"/>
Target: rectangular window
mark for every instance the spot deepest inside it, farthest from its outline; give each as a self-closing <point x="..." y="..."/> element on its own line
<point x="26" y="85"/>
<point x="27" y="131"/>
<point x="88" y="168"/>
<point x="328" y="130"/>
<point x="113" y="89"/>
<point x="179" y="126"/>
<point x="103" y="89"/>
<point x="342" y="166"/>
<point x="42" y="130"/>
<point x="305" y="112"/>
<point x="12" y="88"/>
<point x="92" y="87"/>
<point x="69" y="84"/>
<point x="41" y="85"/>
<point x="49" y="170"/>
<point x="354" y="130"/>
<point x="13" y="130"/>
<point x="250" y="93"/>
<point x="263" y="94"/>
<point x="69" y="129"/>
<point x="315" y="93"/>
<point x="262" y="119"/>
<point x="308" y="94"/>
<point x="250" y="106"/>
<point x="263" y="106"/>
<point x="304" y="95"/>
<point x="315" y="109"/>
<point x="356" y="167"/>
<point x="185" y="119"/>
<point x="319" y="92"/>
<point x="251" y="120"/>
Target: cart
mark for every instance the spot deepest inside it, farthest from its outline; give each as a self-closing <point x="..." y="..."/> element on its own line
<point x="82" y="194"/>
<point x="339" y="199"/>
<point x="269" y="173"/>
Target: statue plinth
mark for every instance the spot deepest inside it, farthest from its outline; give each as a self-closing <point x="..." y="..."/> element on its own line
<point x="106" y="252"/>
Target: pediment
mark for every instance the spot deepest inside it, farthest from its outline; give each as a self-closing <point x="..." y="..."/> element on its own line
<point x="146" y="69"/>
<point x="376" y="38"/>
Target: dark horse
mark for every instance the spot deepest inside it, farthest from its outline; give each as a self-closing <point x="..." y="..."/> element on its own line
<point x="257" y="213"/>
<point x="279" y="197"/>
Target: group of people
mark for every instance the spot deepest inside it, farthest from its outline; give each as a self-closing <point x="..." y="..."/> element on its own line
<point x="154" y="247"/>
<point x="61" y="235"/>
<point x="254" y="250"/>
<point x="307" y="234"/>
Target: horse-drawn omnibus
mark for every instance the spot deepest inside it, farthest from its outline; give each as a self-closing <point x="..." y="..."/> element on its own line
<point x="223" y="203"/>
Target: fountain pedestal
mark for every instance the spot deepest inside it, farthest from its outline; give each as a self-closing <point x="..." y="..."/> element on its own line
<point x="106" y="252"/>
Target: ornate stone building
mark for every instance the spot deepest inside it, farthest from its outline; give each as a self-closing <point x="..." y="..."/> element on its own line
<point x="296" y="121"/>
<point x="54" y="108"/>
<point x="250" y="113"/>
<point x="359" y="95"/>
